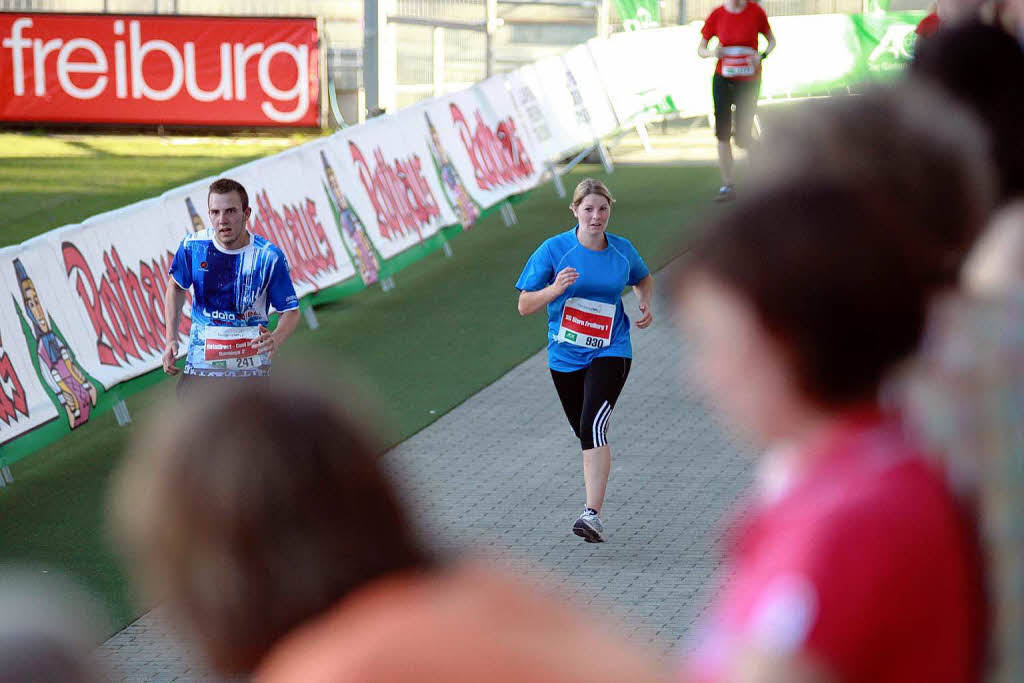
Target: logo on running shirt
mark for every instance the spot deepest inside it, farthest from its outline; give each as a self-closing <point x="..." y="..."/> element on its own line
<point x="203" y="265"/>
<point x="221" y="315"/>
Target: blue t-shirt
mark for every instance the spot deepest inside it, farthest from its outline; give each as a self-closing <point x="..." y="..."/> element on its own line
<point x="602" y="277"/>
<point x="231" y="294"/>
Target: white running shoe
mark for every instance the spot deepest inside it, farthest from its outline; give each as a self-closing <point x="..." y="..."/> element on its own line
<point x="589" y="527"/>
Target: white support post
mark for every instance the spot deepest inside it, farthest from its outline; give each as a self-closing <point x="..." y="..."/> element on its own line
<point x="556" y="179"/>
<point x="602" y="22"/>
<point x="645" y="140"/>
<point x="438" y="59"/>
<point x="121" y="413"/>
<point x="387" y="284"/>
<point x="310" y="317"/>
<point x="379" y="60"/>
<point x="606" y="160"/>
<point x="508" y="214"/>
<point x="446" y="245"/>
<point x="491" y="25"/>
<point x="5" y="475"/>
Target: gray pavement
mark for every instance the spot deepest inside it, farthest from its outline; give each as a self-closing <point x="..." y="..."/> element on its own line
<point x="501" y="475"/>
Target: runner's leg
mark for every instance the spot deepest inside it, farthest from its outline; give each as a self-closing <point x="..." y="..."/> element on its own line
<point x="604" y="381"/>
<point x="746" y="107"/>
<point x="722" y="96"/>
<point x="569" y="386"/>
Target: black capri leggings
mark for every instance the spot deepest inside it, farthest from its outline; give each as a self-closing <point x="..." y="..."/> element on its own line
<point x="588" y="396"/>
<point x="727" y="92"/>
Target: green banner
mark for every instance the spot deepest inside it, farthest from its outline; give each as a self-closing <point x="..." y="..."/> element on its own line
<point x="825" y="54"/>
<point x="886" y="41"/>
<point x="638" y="14"/>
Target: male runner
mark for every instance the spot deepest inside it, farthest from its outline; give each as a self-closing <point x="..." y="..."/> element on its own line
<point x="235" y="277"/>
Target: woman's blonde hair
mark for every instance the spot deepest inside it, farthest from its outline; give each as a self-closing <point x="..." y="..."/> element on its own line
<point x="590" y="186"/>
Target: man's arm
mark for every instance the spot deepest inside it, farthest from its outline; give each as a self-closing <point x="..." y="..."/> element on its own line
<point x="174" y="300"/>
<point x="270" y="342"/>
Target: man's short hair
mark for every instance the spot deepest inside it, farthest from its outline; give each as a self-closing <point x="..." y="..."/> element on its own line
<point x="226" y="186"/>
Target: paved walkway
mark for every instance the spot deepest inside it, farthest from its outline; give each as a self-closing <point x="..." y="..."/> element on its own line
<point x="501" y="474"/>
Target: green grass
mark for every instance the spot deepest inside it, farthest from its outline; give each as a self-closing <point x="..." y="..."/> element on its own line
<point x="447" y="330"/>
<point x="48" y="181"/>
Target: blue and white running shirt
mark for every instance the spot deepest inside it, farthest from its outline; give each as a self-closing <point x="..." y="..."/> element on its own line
<point x="587" y="321"/>
<point x="231" y="293"/>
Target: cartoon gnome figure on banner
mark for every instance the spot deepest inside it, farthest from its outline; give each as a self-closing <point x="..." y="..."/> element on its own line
<point x="57" y="366"/>
<point x="458" y="196"/>
<point x="352" y="230"/>
<point x="197" y="220"/>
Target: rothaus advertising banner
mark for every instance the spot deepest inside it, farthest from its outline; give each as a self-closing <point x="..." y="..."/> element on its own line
<point x="386" y="186"/>
<point x="159" y="70"/>
<point x="479" y="150"/>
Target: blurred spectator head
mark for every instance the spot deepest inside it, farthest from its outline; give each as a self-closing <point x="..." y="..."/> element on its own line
<point x="799" y="296"/>
<point x="814" y="286"/>
<point x="912" y="154"/>
<point x="48" y="630"/>
<point x="980" y="66"/>
<point x="251" y="511"/>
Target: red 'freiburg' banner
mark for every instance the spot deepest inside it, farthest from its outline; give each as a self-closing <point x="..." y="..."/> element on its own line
<point x="220" y="71"/>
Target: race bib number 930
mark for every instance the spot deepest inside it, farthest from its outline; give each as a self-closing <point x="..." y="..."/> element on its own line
<point x="586" y="323"/>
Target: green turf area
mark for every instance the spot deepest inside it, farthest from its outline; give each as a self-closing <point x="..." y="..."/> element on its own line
<point x="449" y="329"/>
<point x="50" y="181"/>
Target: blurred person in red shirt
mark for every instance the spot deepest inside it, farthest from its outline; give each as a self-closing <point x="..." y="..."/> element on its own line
<point x="853" y="560"/>
<point x="276" y="540"/>
<point x="737" y="80"/>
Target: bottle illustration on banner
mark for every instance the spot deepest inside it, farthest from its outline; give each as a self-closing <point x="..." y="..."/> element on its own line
<point x="465" y="208"/>
<point x="197" y="220"/>
<point x="361" y="250"/>
<point x="57" y="367"/>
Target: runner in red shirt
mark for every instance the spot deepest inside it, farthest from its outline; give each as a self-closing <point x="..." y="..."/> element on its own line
<point x="737" y="79"/>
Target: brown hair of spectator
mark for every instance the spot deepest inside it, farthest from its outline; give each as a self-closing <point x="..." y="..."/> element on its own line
<point x="826" y="272"/>
<point x="250" y="511"/>
<point x="913" y="153"/>
<point x="227" y="186"/>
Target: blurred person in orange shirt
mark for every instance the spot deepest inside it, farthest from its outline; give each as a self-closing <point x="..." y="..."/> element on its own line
<point x="853" y="560"/>
<point x="276" y="540"/>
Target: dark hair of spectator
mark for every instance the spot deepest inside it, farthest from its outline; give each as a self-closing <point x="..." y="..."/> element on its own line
<point x="826" y="272"/>
<point x="226" y="186"/>
<point x="252" y="511"/>
<point x="981" y="67"/>
<point x="910" y="150"/>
